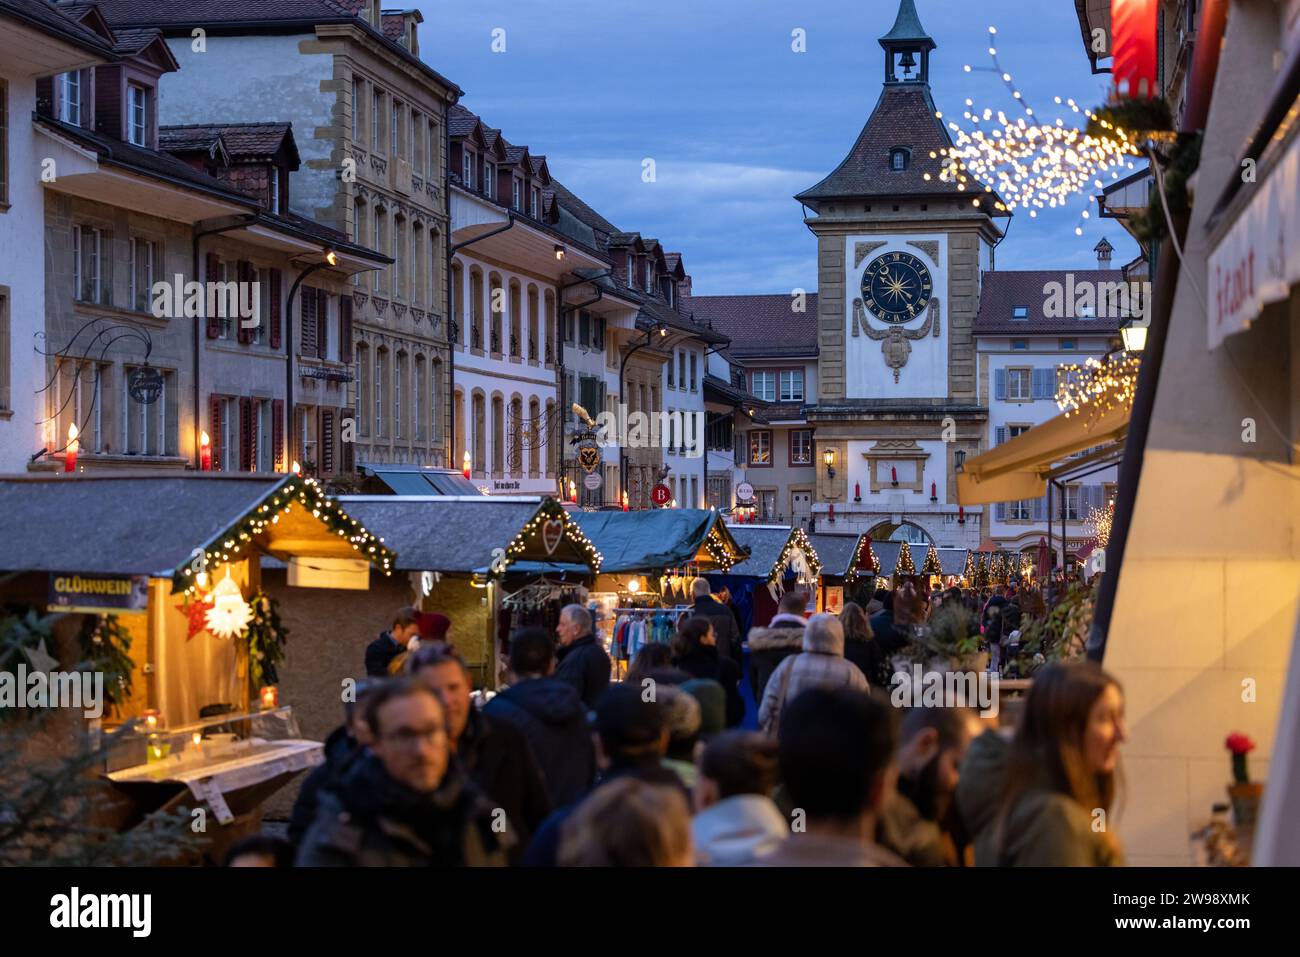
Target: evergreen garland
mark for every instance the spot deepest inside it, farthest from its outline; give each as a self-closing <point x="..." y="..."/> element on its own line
<point x="106" y="647"/>
<point x="266" y="637"/>
<point x="931" y="564"/>
<point x="905" y="564"/>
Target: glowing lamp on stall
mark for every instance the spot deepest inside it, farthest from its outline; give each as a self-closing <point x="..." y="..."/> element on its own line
<point x="331" y="257"/>
<point x="673" y="504"/>
<point x="74" y="445"/>
<point x="559" y="251"/>
<point x="295" y="468"/>
<point x="634" y="585"/>
<point x="465" y="464"/>
<point x="205" y="452"/>
<point x="269" y="697"/>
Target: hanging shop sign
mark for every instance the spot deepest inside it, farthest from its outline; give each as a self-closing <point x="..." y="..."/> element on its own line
<point x="99" y="594"/>
<point x="592" y="482"/>
<point x="661" y="494"/>
<point x="589" y="455"/>
<point x="552" y="534"/>
<point x="144" y="385"/>
<point x="744" y="492"/>
<point x="1135" y="31"/>
<point x="1258" y="258"/>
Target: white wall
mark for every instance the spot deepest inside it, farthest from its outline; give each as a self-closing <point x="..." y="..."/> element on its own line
<point x="22" y="270"/>
<point x="926" y="372"/>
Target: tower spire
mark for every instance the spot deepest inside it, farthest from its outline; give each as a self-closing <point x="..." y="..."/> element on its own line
<point x="907" y="47"/>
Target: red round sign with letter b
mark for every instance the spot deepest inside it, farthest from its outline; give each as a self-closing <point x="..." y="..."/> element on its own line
<point x="661" y="494"/>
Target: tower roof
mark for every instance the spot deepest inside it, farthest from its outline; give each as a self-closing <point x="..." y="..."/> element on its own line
<point x="907" y="29"/>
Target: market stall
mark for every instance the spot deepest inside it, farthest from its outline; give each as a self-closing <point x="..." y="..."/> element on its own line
<point x="650" y="558"/>
<point x="489" y="564"/>
<point x="780" y="558"/>
<point x="849" y="570"/>
<point x="156" y="577"/>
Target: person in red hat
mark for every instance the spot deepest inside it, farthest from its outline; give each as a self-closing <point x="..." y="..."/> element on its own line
<point x="433" y="628"/>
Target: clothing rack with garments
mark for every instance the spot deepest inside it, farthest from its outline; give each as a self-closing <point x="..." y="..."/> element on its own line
<point x="634" y="628"/>
<point x="538" y="603"/>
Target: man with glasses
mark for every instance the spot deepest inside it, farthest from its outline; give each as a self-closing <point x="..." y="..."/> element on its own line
<point x="405" y="803"/>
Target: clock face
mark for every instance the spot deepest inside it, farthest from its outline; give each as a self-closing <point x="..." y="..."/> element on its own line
<point x="896" y="288"/>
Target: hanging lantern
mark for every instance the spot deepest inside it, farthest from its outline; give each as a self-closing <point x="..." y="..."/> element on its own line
<point x="229" y="614"/>
<point x="1134" y="28"/>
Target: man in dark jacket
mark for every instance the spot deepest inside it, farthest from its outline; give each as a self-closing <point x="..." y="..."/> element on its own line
<point x="345" y="744"/>
<point x="583" y="663"/>
<point x="782" y="637"/>
<point x="550" y="714"/>
<point x="892" y="625"/>
<point x="494" y="754"/>
<point x="724" y="622"/>
<point x="405" y="803"/>
<point x="632" y="740"/>
<point x="391" y="643"/>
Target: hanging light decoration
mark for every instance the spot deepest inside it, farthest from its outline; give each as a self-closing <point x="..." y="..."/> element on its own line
<point x="229" y="614"/>
<point x="1098" y="385"/>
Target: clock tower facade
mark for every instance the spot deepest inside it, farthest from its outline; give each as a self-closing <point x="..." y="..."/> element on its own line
<point x="900" y="255"/>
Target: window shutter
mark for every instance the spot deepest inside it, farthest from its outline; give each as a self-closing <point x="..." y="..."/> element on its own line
<point x="1001" y="511"/>
<point x="245" y="434"/>
<point x="1040" y="508"/>
<point x="1000" y="434"/>
<point x="322" y="324"/>
<point x="214" y="431"/>
<point x="243" y="273"/>
<point x="347" y="457"/>
<point x="1000" y="384"/>
<point x="345" y="327"/>
<point x="277" y="435"/>
<point x="213" y="274"/>
<point x="276" y="283"/>
<point x="326" y="444"/>
<point x="308" y="324"/>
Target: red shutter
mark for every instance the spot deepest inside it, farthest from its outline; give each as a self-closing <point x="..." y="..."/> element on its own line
<point x="345" y="327"/>
<point x="322" y="323"/>
<point x="326" y="443"/>
<point x="213" y="275"/>
<point x="215" y="434"/>
<point x="245" y="275"/>
<point x="277" y="435"/>
<point x="275" y="308"/>
<point x="245" y="433"/>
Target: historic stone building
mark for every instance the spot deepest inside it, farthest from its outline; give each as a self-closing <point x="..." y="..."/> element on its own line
<point x="899" y="253"/>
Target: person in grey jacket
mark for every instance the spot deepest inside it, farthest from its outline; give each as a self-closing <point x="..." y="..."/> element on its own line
<point x="821" y="665"/>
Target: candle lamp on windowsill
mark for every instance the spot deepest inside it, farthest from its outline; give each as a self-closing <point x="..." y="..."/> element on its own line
<point x="269" y="697"/>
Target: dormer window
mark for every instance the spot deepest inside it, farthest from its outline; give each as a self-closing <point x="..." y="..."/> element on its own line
<point x="275" y="190"/>
<point x="517" y="194"/>
<point x="536" y="203"/>
<point x="900" y="159"/>
<point x="489" y="179"/>
<point x="631" y="271"/>
<point x="467" y="170"/>
<point x="1019" y="312"/>
<point x="70" y="98"/>
<point x="649" y="278"/>
<point x="137" y="99"/>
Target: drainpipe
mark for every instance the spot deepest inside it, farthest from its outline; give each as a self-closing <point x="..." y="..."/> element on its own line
<point x="198" y="351"/>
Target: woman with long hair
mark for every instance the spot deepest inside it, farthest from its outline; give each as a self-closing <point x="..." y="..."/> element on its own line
<point x="695" y="651"/>
<point x="860" y="646"/>
<point x="1059" y="775"/>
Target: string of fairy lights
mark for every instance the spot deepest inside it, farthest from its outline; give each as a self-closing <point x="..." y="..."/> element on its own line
<point x="297" y="491"/>
<point x="1024" y="162"/>
<point x="1098" y="385"/>
<point x="797" y="540"/>
<point x="1100" y="520"/>
<point x="552" y="511"/>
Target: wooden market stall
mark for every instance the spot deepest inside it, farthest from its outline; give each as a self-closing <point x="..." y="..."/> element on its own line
<point x="779" y="558"/>
<point x="460" y="556"/>
<point x="159" y="574"/>
<point x="849" y="570"/>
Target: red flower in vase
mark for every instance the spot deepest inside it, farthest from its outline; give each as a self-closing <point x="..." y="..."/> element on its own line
<point x="1239" y="743"/>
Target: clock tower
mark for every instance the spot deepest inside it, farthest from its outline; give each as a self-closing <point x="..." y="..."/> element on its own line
<point x="900" y="255"/>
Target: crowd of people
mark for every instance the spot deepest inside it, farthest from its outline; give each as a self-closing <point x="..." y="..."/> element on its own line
<point x="564" y="767"/>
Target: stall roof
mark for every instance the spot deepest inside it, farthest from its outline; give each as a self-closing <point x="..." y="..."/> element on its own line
<point x="766" y="545"/>
<point x="150" y="523"/>
<point x="414" y="480"/>
<point x="837" y="552"/>
<point x="458" y="535"/>
<point x="888" y="552"/>
<point x="656" y="539"/>
<point x="952" y="560"/>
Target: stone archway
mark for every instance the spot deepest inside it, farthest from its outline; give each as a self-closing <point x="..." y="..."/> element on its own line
<point x="908" y="532"/>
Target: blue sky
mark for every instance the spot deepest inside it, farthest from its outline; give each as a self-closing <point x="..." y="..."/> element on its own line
<point x="737" y="122"/>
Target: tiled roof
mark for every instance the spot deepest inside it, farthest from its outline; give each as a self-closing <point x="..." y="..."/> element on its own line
<point x="581" y="210"/>
<point x="726" y="392"/>
<point x="903" y="117"/>
<point x="460" y="121"/>
<point x="761" y="326"/>
<point x="131" y="41"/>
<point x="1003" y="290"/>
<point x="394" y="25"/>
<point x="58" y="22"/>
<point x="242" y="140"/>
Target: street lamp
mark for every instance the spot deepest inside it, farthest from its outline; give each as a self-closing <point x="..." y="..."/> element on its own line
<point x="1134" y="334"/>
<point x="328" y="259"/>
<point x="829" y="458"/>
<point x="959" y="461"/>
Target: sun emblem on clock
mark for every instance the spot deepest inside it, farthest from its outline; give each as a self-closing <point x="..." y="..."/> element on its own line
<point x="896" y="288"/>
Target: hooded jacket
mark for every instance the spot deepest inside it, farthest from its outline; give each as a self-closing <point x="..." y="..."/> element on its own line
<point x="709" y="663"/>
<point x="820" y="665"/>
<point x="371" y="820"/>
<point x="1044" y="829"/>
<point x="554" y="720"/>
<point x="737" y="829"/>
<point x="769" y="646"/>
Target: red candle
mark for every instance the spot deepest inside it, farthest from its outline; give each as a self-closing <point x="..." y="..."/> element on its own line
<point x="933" y="492"/>
<point x="832" y="511"/>
<point x="205" y="452"/>
<point x="465" y="464"/>
<point x="857" y="490"/>
<point x="270" y="697"/>
<point x="961" y="513"/>
<point x="893" y="475"/>
<point x="74" y="444"/>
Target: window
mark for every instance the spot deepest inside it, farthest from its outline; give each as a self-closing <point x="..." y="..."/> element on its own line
<point x="1020" y="345"/>
<point x="78" y="400"/>
<point x="4" y="142"/>
<point x="4" y="348"/>
<point x="1019" y="312"/>
<point x="435" y="147"/>
<point x="364" y="394"/>
<point x="263" y="279"/>
<point x="399" y="367"/>
<point x="792" y="385"/>
<point x="145" y="428"/>
<point x="694" y="366"/>
<point x="263" y="443"/>
<point x="1072" y="502"/>
<point x="631" y="270"/>
<point x="1016" y="430"/>
<point x="1068" y="344"/>
<point x="489" y="180"/>
<point x="1019" y="385"/>
<point x="229" y="435"/>
<point x="91" y="265"/>
<point x="760" y="448"/>
<point x="417" y="395"/>
<point x="144" y="266"/>
<point x="136" y="97"/>
<point x="400" y="263"/>
<point x="801" y="447"/>
<point x="275" y="191"/>
<point x="395" y="131"/>
<point x="681" y="367"/>
<point x="309" y="335"/>
<point x="899" y="159"/>
<point x="517" y="195"/>
<point x="379" y="247"/>
<point x="763" y="385"/>
<point x="356" y="109"/>
<point x="535" y="203"/>
<point x="649" y="277"/>
<point x="417" y="129"/>
<point x="70" y="98"/>
<point x="1021" y="511"/>
<point x="467" y="170"/>
<point x="376" y="113"/>
<point x="381" y="377"/>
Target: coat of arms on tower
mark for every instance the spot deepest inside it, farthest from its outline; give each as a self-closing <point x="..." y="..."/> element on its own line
<point x="896" y="342"/>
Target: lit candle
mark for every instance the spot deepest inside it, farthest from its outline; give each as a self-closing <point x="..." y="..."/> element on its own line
<point x="270" y="697"/>
<point x="205" y="452"/>
<point x="465" y="464"/>
<point x="70" y="459"/>
<point x="573" y="490"/>
<point x="625" y="507"/>
<point x="151" y="720"/>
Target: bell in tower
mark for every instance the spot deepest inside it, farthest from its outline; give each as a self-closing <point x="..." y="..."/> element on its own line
<point x="902" y="46"/>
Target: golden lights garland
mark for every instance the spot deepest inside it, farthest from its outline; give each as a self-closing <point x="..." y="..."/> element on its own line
<point x="798" y="540"/>
<point x="1098" y="385"/>
<point x="1100" y="519"/>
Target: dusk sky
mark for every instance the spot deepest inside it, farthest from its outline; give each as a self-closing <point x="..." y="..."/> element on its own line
<point x="737" y="122"/>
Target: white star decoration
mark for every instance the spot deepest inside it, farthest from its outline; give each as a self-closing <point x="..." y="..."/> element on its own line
<point x="40" y="658"/>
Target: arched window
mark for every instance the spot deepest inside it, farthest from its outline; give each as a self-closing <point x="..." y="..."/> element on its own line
<point x="534" y="438"/>
<point x="363" y="390"/>
<point x="478" y="426"/>
<point x="900" y="158"/>
<point x="515" y="463"/>
<point x="498" y="437"/>
<point x="476" y="308"/>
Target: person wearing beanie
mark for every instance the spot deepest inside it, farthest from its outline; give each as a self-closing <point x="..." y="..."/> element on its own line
<point x="821" y="665"/>
<point x="682" y="713"/>
<point x="712" y="700"/>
